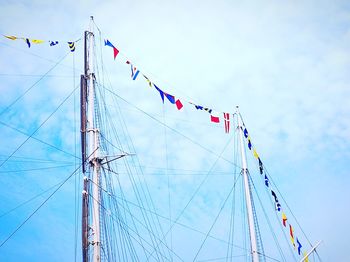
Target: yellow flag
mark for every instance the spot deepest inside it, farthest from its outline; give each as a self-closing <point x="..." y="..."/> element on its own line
<point x="148" y="81"/>
<point x="11" y="37"/>
<point x="35" y="41"/>
<point x="284" y="219"/>
<point x="292" y="240"/>
<point x="255" y="154"/>
<point x="306" y="259"/>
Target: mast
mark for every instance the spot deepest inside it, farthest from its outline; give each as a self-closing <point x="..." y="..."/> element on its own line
<point x="248" y="199"/>
<point x="91" y="242"/>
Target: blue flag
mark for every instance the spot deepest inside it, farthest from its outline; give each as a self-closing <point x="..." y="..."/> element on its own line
<point x="266" y="181"/>
<point x="160" y="92"/>
<point x="245" y="131"/>
<point x="299" y="246"/>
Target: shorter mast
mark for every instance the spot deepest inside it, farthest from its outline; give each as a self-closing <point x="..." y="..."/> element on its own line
<point x="249" y="205"/>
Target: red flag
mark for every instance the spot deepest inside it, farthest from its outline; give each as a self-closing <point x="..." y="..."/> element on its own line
<point x="214" y="119"/>
<point x="291" y="235"/>
<point x="115" y="52"/>
<point x="179" y="105"/>
<point x="227" y="122"/>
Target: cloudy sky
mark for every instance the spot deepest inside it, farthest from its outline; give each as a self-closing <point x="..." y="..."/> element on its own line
<point x="284" y="63"/>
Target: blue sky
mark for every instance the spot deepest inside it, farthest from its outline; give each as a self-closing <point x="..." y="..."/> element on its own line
<point x="285" y="64"/>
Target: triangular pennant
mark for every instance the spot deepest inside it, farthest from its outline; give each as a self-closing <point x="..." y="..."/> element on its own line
<point x="245" y="131"/>
<point x="171" y="98"/>
<point x="291" y="234"/>
<point x="266" y="181"/>
<point x="160" y="92"/>
<point x="11" y="37"/>
<point x="261" y="168"/>
<point x="278" y="205"/>
<point x="148" y="81"/>
<point x="115" y="50"/>
<point x="299" y="247"/>
<point x="255" y="154"/>
<point x="27" y="41"/>
<point x="208" y="110"/>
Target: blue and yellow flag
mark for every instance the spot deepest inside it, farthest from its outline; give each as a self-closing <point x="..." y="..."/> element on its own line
<point x="71" y="46"/>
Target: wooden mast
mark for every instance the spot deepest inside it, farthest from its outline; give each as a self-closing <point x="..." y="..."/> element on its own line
<point x="91" y="161"/>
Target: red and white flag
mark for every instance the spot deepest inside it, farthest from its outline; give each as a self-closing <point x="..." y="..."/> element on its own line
<point x="227" y="122"/>
<point x="214" y="119"/>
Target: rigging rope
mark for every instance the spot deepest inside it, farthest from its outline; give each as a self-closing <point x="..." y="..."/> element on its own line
<point x="37" y="209"/>
<point x="37" y="129"/>
<point x="33" y="85"/>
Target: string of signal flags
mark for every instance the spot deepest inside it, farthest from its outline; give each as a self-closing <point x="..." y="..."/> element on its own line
<point x="30" y="41"/>
<point x="278" y="207"/>
<point x="135" y="73"/>
<point x="214" y="118"/>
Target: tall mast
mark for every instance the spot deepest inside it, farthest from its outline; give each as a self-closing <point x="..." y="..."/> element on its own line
<point x="91" y="242"/>
<point x="248" y="199"/>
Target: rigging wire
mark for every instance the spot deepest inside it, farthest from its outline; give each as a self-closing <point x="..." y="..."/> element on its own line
<point x="141" y="199"/>
<point x="244" y="213"/>
<point x="215" y="220"/>
<point x="37" y="129"/>
<point x="29" y="75"/>
<point x="199" y="187"/>
<point x="139" y="191"/>
<point x="181" y="224"/>
<point x="177" y="119"/>
<point x="37" y="139"/>
<point x="269" y="222"/>
<point x="35" y="169"/>
<point x="281" y="195"/>
<point x="31" y="160"/>
<point x="169" y="127"/>
<point x="28" y="200"/>
<point x="38" y="208"/>
<point x="168" y="180"/>
<point x="33" y="85"/>
<point x="150" y="231"/>
<point x="76" y="184"/>
<point x="36" y="55"/>
<point x="233" y="205"/>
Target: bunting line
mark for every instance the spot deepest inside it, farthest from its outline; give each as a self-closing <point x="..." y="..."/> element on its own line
<point x="172" y="99"/>
<point x="30" y="41"/>
<point x="214" y="118"/>
<point x="278" y="206"/>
